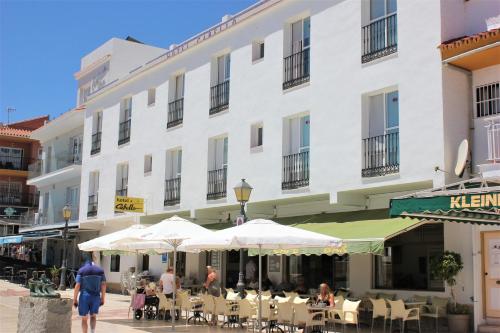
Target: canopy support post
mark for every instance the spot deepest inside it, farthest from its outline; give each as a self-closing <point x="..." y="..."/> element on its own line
<point x="260" y="288"/>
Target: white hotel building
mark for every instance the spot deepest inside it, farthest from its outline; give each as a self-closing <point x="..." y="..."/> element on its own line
<point x="319" y="113"/>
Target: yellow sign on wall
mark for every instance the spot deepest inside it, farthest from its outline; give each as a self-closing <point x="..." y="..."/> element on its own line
<point x="128" y="204"/>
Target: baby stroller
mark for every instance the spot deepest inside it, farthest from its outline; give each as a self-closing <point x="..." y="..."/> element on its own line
<point x="145" y="305"/>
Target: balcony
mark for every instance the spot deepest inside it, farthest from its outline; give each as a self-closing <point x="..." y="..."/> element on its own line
<point x="295" y="171"/>
<point x="124" y="132"/>
<point x="217" y="184"/>
<point x="380" y="38"/>
<point x="96" y="143"/>
<point x="296" y="69"/>
<point x="172" y="191"/>
<point x="54" y="165"/>
<point x="12" y="162"/>
<point x="219" y="97"/>
<point x="92" y="206"/>
<point x="175" y="112"/>
<point x="20" y="199"/>
<point x="380" y="155"/>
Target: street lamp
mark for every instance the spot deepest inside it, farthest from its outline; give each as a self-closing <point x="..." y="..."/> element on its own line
<point x="67" y="216"/>
<point x="242" y="191"/>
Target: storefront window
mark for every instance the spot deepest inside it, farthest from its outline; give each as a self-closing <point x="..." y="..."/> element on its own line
<point x="306" y="273"/>
<point x="405" y="263"/>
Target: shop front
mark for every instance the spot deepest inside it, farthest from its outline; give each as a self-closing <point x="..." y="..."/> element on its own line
<point x="469" y="210"/>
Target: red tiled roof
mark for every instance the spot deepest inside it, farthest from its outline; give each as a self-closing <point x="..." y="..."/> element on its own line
<point x="10" y="131"/>
<point x="461" y="41"/>
<point x="23" y="128"/>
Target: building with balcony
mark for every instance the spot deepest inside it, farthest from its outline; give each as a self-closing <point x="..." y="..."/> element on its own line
<point x="18" y="201"/>
<point x="327" y="119"/>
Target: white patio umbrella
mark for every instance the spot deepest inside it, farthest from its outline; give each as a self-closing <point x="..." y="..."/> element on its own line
<point x="262" y="235"/>
<point x="106" y="242"/>
<point x="165" y="236"/>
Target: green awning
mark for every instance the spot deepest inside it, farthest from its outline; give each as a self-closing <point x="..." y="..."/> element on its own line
<point x="361" y="231"/>
<point x="476" y="207"/>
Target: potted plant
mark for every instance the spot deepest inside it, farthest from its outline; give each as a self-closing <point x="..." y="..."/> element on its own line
<point x="446" y="268"/>
<point x="54" y="274"/>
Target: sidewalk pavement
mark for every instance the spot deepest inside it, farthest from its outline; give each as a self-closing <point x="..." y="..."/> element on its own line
<point x="113" y="316"/>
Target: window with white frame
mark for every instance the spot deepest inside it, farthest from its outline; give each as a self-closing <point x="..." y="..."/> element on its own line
<point x="148" y="164"/>
<point x="173" y="167"/>
<point x="122" y="179"/>
<point x="73" y="200"/>
<point x="256" y="135"/>
<point x="125" y="121"/>
<point x="488" y="100"/>
<point x="382" y="8"/>
<point x="300" y="35"/>
<point x="296" y="135"/>
<point x="223" y="68"/>
<point x="151" y="96"/>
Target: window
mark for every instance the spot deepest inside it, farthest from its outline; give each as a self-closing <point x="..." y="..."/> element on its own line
<point x="382" y="8"/>
<point x="488" y="100"/>
<point x="173" y="177"/>
<point x="125" y="121"/>
<point x="301" y="35"/>
<point x="145" y="262"/>
<point x="219" y="91"/>
<point x="296" y="144"/>
<point x="11" y="158"/>
<point x="296" y="67"/>
<point x="96" y="133"/>
<point x="407" y="258"/>
<point x="223" y="68"/>
<point x="256" y="135"/>
<point x="257" y="50"/>
<point x="151" y="96"/>
<point x="122" y="180"/>
<point x="381" y="144"/>
<point x="75" y="144"/>
<point x="176" y="104"/>
<point x="217" y="164"/>
<point x="10" y="193"/>
<point x="93" y="193"/>
<point x="114" y="265"/>
<point x="148" y="164"/>
<point x="73" y="200"/>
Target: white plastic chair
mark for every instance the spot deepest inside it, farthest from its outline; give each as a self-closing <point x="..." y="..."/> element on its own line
<point x="302" y="317"/>
<point x="347" y="315"/>
<point x="380" y="310"/>
<point x="399" y="312"/>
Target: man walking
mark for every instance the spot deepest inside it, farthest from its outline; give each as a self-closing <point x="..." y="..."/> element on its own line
<point x="91" y="285"/>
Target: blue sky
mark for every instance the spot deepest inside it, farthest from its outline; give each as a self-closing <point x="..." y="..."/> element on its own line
<point x="41" y="42"/>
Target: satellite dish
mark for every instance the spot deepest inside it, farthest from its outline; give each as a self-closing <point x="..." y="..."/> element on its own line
<point x="463" y="152"/>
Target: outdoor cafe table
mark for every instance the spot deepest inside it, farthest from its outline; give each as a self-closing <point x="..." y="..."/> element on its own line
<point x="197" y="310"/>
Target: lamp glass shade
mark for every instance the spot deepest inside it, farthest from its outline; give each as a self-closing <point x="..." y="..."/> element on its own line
<point x="67" y="212"/>
<point x="242" y="191"/>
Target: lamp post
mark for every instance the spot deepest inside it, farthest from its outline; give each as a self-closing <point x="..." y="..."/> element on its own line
<point x="67" y="216"/>
<point x="242" y="191"/>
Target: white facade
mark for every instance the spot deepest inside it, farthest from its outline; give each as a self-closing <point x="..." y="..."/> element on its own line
<point x="343" y="102"/>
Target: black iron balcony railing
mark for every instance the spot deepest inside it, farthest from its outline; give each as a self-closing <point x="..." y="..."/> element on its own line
<point x="217" y="184"/>
<point x="172" y="191"/>
<point x="12" y="162"/>
<point x="380" y="38"/>
<point x="96" y="143"/>
<point x="380" y="155"/>
<point x="219" y="97"/>
<point x="122" y="193"/>
<point x="175" y="112"/>
<point x="92" y="206"/>
<point x="295" y="171"/>
<point x="14" y="198"/>
<point x="124" y="132"/>
<point x="296" y="69"/>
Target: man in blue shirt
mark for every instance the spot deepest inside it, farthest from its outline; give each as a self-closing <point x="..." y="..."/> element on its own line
<point x="91" y="285"/>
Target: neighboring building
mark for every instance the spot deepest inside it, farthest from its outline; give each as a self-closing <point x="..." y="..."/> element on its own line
<point x="322" y="123"/>
<point x="56" y="175"/>
<point x="18" y="201"/>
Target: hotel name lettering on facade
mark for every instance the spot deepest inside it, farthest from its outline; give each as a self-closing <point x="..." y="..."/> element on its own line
<point x="486" y="200"/>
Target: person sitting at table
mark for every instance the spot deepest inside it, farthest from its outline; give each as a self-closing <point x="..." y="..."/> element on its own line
<point x="325" y="295"/>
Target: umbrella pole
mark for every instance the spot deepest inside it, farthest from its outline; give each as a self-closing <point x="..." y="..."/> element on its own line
<point x="260" y="289"/>
<point x="175" y="287"/>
